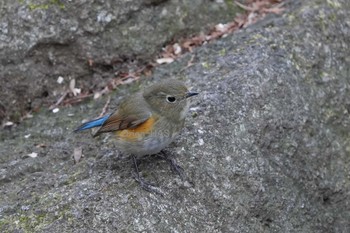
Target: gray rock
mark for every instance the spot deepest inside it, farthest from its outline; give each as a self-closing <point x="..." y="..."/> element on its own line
<point x="42" y="40"/>
<point x="266" y="149"/>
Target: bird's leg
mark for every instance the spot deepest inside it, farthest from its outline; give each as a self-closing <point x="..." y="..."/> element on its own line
<point x="173" y="164"/>
<point x="144" y="184"/>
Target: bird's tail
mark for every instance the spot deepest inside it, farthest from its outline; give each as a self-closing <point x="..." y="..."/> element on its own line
<point x="92" y="124"/>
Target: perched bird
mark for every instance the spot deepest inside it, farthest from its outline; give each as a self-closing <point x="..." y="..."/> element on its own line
<point x="147" y="122"/>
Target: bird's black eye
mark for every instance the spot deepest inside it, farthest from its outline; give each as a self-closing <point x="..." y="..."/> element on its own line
<point x="170" y="99"/>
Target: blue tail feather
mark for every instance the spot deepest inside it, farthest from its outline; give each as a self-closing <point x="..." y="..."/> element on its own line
<point x="91" y="124"/>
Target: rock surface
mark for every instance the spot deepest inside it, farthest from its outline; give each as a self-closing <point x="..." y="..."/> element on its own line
<point x="43" y="40"/>
<point x="266" y="147"/>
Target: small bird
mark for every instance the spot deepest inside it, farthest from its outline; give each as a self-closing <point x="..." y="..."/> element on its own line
<point x="146" y="123"/>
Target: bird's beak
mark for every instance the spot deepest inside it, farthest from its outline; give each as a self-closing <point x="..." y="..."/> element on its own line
<point x="189" y="94"/>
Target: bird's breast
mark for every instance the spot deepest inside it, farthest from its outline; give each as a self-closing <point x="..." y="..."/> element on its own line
<point x="137" y="132"/>
<point x="150" y="137"/>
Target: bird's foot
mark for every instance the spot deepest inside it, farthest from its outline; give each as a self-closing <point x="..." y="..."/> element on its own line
<point x="148" y="186"/>
<point x="173" y="164"/>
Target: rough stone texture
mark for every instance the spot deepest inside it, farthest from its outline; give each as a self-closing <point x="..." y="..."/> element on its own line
<point x="44" y="39"/>
<point x="267" y="148"/>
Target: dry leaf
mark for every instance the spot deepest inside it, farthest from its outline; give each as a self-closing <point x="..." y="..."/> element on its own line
<point x="78" y="154"/>
<point x="72" y="88"/>
<point x="41" y="145"/>
<point x="177" y="49"/>
<point x="33" y="155"/>
<point x="60" y="80"/>
<point x="9" y="123"/>
<point x="165" y="60"/>
<point x="55" y="110"/>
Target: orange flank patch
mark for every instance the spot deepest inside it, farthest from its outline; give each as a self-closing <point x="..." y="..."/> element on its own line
<point x="137" y="132"/>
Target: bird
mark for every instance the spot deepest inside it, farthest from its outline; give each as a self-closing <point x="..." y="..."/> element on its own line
<point x="147" y="122"/>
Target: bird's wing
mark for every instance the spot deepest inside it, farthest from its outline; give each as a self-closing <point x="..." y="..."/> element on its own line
<point x="130" y="114"/>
